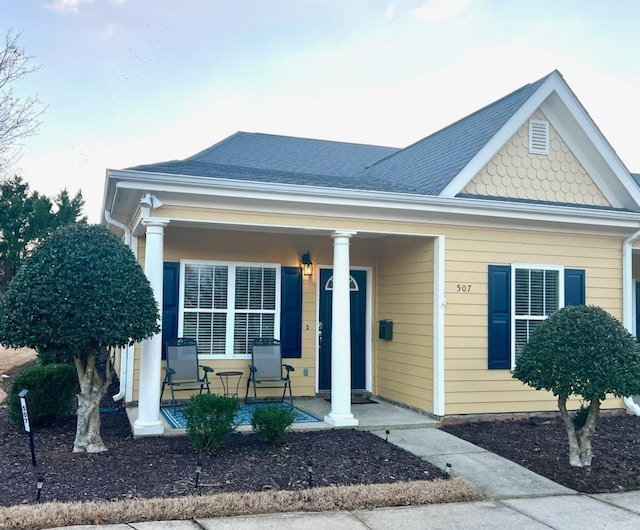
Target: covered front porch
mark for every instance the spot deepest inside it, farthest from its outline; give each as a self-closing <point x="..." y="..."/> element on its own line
<point x="203" y="241"/>
<point x="356" y="279"/>
<point x="379" y="415"/>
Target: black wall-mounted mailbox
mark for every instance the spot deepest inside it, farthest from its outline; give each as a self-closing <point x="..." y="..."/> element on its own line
<point x="385" y="331"/>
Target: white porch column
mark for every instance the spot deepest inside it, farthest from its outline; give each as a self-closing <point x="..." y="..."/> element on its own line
<point x="340" y="414"/>
<point x="148" y="421"/>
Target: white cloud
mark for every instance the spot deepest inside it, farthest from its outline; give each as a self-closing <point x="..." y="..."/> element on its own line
<point x="390" y="12"/>
<point x="435" y="10"/>
<point x="119" y="2"/>
<point x="66" y="6"/>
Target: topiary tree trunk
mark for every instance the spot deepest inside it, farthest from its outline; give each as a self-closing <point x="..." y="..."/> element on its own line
<point x="580" y="453"/>
<point x="93" y="387"/>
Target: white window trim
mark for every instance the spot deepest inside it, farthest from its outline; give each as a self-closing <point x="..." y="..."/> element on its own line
<point x="537" y="266"/>
<point x="532" y="148"/>
<point x="231" y="309"/>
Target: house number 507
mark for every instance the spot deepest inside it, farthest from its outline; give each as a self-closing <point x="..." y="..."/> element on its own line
<point x="463" y="287"/>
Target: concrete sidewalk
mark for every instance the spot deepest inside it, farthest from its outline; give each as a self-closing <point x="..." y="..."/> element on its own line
<point x="517" y="498"/>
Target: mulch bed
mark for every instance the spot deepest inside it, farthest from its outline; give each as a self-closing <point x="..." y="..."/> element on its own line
<point x="541" y="446"/>
<point x="164" y="466"/>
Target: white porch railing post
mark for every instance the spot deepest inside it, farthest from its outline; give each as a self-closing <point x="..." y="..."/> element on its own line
<point x="148" y="421"/>
<point x="340" y="414"/>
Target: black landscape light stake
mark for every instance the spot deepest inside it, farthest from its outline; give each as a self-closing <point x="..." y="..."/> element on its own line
<point x="387" y="437"/>
<point x="310" y="471"/>
<point x="39" y="484"/>
<point x="25" y="420"/>
<point x="198" y="471"/>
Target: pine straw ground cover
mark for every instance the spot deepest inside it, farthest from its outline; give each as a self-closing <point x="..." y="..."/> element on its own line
<point x="153" y="478"/>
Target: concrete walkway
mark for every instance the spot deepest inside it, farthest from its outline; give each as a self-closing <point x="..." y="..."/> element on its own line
<point x="517" y="498"/>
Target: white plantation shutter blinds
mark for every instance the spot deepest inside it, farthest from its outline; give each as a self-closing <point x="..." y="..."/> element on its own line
<point x="255" y="306"/>
<point x="537" y="295"/>
<point x="226" y="306"/>
<point x="205" y="304"/>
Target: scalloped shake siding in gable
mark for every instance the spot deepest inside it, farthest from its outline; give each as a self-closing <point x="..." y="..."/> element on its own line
<point x="557" y="177"/>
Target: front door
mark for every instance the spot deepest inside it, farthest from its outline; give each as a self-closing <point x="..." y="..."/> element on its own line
<point x="358" y="288"/>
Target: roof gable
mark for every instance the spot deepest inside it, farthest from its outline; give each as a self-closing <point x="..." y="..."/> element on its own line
<point x="516" y="173"/>
<point x="433" y="162"/>
<point x="572" y="122"/>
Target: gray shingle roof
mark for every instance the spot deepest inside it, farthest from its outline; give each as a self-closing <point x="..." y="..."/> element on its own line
<point x="297" y="155"/>
<point x="206" y="169"/>
<point x="433" y="162"/>
<point x="425" y="167"/>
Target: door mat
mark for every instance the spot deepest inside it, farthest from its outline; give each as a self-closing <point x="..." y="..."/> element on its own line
<point x="175" y="418"/>
<point x="359" y="401"/>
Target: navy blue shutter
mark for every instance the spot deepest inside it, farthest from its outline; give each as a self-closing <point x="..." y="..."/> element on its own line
<point x="170" y="301"/>
<point x="291" y="312"/>
<point x="574" y="287"/>
<point x="499" y="346"/>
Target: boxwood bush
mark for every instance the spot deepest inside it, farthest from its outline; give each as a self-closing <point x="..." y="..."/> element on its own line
<point x="52" y="389"/>
<point x="271" y="423"/>
<point x="210" y="420"/>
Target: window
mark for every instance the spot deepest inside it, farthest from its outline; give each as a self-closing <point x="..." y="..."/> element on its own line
<point x="520" y="296"/>
<point x="353" y="284"/>
<point x="224" y="306"/>
<point x="538" y="137"/>
<point x="537" y="291"/>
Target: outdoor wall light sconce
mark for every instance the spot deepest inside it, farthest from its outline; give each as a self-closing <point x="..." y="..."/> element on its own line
<point x="307" y="264"/>
<point x="39" y="485"/>
<point x="198" y="471"/>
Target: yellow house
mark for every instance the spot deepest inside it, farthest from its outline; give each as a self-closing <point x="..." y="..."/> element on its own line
<point x="427" y="267"/>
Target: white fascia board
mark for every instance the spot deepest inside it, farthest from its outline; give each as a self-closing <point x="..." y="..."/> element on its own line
<point x="485" y="154"/>
<point x="591" y="129"/>
<point x="606" y="164"/>
<point x="108" y="194"/>
<point x="372" y="204"/>
<point x="332" y="197"/>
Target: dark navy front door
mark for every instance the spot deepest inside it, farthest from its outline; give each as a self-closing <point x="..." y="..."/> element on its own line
<point x="358" y="300"/>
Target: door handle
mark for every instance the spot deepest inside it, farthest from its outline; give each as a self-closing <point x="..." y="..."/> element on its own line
<point x="319" y="334"/>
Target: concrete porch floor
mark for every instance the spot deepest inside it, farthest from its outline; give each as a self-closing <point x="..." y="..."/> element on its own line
<point x="371" y="416"/>
<point x="377" y="416"/>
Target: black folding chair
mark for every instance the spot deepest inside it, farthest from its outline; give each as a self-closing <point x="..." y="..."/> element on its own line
<point x="267" y="369"/>
<point x="183" y="370"/>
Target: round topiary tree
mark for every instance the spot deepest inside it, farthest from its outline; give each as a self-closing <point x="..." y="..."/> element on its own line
<point x="80" y="293"/>
<point x="581" y="351"/>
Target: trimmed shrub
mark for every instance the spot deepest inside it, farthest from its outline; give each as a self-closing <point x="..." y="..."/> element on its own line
<point x="210" y="420"/>
<point x="271" y="423"/>
<point x="52" y="389"/>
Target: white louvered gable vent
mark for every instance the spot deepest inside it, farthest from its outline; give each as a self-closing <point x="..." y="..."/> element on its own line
<point x="538" y="137"/>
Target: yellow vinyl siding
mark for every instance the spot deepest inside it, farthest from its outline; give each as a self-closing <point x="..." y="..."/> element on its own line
<point x="402" y="269"/>
<point x="470" y="387"/>
<point x="404" y="279"/>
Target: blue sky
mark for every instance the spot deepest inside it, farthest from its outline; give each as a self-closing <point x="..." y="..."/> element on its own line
<point x="129" y="82"/>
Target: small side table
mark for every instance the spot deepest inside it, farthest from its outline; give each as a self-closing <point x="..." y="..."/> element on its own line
<point x="224" y="379"/>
